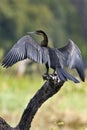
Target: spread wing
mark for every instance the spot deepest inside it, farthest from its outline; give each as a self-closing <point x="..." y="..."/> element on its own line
<point x="72" y="58"/>
<point x="26" y="47"/>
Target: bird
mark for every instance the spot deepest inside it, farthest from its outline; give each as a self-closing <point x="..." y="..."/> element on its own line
<point x="56" y="58"/>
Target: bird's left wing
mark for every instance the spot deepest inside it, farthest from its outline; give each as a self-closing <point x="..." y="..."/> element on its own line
<point x="26" y="47"/>
<point x="72" y="58"/>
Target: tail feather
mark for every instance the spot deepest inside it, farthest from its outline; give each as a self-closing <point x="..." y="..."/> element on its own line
<point x="81" y="73"/>
<point x="63" y="75"/>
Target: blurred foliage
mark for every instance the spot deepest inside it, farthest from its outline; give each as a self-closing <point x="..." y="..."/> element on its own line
<point x="66" y="106"/>
<point x="60" y="19"/>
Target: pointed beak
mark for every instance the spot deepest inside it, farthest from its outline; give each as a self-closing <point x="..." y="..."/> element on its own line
<point x="31" y="32"/>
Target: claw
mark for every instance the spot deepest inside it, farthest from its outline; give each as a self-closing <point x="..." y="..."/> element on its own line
<point x="52" y="77"/>
<point x="45" y="76"/>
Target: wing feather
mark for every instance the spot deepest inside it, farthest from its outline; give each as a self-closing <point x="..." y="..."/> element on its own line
<point x="72" y="58"/>
<point x="26" y="47"/>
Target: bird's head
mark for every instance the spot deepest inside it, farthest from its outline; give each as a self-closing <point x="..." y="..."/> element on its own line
<point x="38" y="32"/>
<point x="42" y="33"/>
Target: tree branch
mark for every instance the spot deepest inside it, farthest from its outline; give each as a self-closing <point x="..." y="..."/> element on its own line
<point x="46" y="91"/>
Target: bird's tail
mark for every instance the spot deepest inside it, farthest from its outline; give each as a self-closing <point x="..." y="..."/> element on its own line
<point x="63" y="75"/>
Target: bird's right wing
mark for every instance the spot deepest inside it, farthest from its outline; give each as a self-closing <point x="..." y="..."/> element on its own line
<point x="26" y="47"/>
<point x="72" y="58"/>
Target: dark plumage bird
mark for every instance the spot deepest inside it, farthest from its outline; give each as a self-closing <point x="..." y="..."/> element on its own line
<point x="27" y="47"/>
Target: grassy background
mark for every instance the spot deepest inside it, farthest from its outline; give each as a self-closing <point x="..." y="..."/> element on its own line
<point x="69" y="106"/>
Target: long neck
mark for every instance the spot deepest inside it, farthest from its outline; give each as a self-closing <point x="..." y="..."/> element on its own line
<point x="45" y="40"/>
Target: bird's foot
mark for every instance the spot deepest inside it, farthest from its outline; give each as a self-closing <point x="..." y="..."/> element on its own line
<point x="45" y="76"/>
<point x="53" y="77"/>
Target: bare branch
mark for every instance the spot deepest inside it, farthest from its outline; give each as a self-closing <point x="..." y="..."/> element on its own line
<point x="46" y="91"/>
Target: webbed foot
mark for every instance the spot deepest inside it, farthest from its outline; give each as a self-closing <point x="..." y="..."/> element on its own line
<point x="45" y="76"/>
<point x="52" y="77"/>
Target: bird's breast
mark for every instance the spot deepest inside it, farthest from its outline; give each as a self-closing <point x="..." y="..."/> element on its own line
<point x="54" y="60"/>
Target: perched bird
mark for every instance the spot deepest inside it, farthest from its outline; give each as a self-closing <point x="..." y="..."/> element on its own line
<point x="27" y="47"/>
